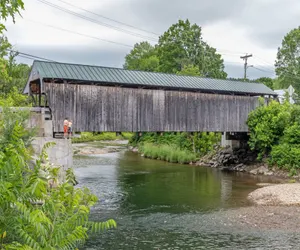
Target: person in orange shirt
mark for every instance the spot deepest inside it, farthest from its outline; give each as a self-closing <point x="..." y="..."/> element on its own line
<point x="66" y="127"/>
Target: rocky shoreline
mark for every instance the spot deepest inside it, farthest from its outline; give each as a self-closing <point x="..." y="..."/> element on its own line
<point x="236" y="160"/>
<point x="241" y="160"/>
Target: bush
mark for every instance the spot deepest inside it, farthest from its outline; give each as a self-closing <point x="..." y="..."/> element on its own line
<point x="292" y="134"/>
<point x="267" y="125"/>
<point x="275" y="133"/>
<point x="286" y="156"/>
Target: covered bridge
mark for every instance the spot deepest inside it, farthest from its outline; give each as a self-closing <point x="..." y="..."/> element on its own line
<point x="112" y="99"/>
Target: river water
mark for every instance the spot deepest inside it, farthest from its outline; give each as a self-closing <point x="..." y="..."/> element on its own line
<point x="158" y="205"/>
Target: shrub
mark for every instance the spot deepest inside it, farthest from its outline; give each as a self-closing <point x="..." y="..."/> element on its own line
<point x="286" y="156"/>
<point x="267" y="125"/>
<point x="292" y="134"/>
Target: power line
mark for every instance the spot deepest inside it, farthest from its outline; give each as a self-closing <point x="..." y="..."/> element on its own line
<point x="80" y="34"/>
<point x="263" y="60"/>
<point x="95" y="21"/>
<point x="29" y="55"/>
<point x="93" y="37"/>
<point x="268" y="71"/>
<point x="107" y="18"/>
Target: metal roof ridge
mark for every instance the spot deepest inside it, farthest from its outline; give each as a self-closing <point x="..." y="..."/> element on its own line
<point x="157" y="73"/>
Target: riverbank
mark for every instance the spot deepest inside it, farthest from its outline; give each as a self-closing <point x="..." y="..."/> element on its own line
<point x="244" y="160"/>
<point x="238" y="160"/>
<point x="274" y="206"/>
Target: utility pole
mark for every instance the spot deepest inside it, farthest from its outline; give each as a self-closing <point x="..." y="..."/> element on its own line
<point x="245" y="58"/>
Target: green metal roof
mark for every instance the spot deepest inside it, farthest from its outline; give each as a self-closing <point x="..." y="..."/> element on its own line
<point x="106" y="75"/>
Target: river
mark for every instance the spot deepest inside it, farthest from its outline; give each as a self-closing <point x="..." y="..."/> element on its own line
<point x="158" y="205"/>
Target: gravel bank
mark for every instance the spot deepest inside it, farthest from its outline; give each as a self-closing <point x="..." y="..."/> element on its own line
<point x="277" y="195"/>
<point x="265" y="218"/>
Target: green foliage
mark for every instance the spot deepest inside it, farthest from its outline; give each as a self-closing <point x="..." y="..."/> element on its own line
<point x="9" y="8"/>
<point x="167" y="153"/>
<point x="189" y="70"/>
<point x="275" y="133"/>
<point x="180" y="50"/>
<point x="175" y="147"/>
<point x="37" y="210"/>
<point x="142" y="57"/>
<point x="292" y="134"/>
<point x="13" y="77"/>
<point x="182" y="44"/>
<point x="288" y="61"/>
<point x="106" y="136"/>
<point x="267" y="124"/>
<point x="8" y="119"/>
<point x="14" y="99"/>
<point x="286" y="156"/>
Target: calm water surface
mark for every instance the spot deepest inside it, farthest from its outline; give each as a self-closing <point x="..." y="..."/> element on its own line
<point x="158" y="205"/>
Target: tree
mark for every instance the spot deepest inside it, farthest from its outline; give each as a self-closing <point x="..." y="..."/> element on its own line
<point x="189" y="70"/>
<point x="266" y="81"/>
<point x="13" y="76"/>
<point x="288" y="61"/>
<point x="181" y="45"/>
<point x="142" y="57"/>
<point x="9" y="8"/>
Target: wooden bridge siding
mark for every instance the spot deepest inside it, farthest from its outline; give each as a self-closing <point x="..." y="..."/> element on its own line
<point x="102" y="108"/>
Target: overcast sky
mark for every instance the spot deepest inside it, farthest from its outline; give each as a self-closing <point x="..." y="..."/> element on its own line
<point x="233" y="27"/>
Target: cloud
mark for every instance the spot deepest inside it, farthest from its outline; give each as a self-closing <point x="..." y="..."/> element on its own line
<point x="158" y="15"/>
<point x="237" y="71"/>
<point x="268" y="21"/>
<point x="237" y="26"/>
<point x="78" y="54"/>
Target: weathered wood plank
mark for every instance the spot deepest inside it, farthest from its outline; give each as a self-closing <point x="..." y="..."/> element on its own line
<point x="104" y="108"/>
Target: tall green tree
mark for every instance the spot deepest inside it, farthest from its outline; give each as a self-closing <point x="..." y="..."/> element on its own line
<point x="142" y="57"/>
<point x="182" y="44"/>
<point x="288" y="60"/>
<point x="179" y="49"/>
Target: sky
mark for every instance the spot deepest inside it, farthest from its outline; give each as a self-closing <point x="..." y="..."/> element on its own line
<point x="103" y="32"/>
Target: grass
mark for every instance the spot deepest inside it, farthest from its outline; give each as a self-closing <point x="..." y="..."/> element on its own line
<point x="107" y="136"/>
<point x="167" y="153"/>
